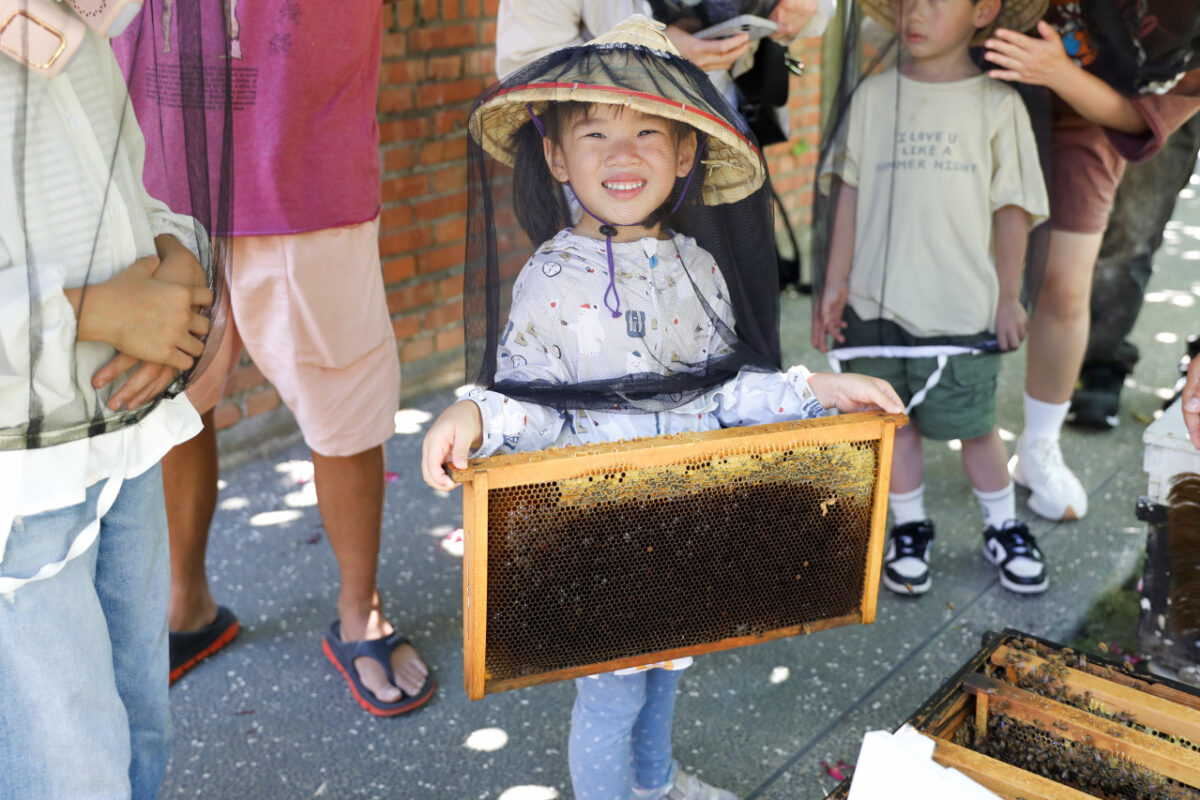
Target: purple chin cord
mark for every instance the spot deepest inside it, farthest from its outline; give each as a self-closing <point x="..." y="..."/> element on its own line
<point x="609" y="229"/>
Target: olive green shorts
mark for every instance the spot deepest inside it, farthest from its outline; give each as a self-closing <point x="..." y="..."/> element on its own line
<point x="961" y="406"/>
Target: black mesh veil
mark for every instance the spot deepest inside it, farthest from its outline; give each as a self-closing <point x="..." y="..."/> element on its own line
<point x="911" y="175"/>
<point x="517" y="208"/>
<point x="75" y="212"/>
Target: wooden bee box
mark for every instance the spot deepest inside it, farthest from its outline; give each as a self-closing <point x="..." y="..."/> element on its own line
<point x="587" y="559"/>
<point x="1033" y="720"/>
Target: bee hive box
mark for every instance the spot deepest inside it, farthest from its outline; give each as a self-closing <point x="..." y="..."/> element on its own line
<point x="1032" y="720"/>
<point x="580" y="560"/>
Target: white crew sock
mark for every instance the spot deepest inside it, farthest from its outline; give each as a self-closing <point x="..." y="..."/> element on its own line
<point x="998" y="507"/>
<point x="1044" y="420"/>
<point x="908" y="506"/>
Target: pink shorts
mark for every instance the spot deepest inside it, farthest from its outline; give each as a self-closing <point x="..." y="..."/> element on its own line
<point x="311" y="312"/>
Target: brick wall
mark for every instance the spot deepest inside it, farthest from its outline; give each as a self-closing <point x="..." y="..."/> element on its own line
<point x="437" y="57"/>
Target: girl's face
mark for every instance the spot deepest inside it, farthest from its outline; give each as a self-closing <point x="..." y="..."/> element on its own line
<point x="622" y="166"/>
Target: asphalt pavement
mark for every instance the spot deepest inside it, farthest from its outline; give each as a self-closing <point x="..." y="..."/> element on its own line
<point x="269" y="717"/>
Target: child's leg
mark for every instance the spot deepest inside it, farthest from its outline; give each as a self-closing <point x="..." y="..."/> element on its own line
<point x="602" y="721"/>
<point x="652" y="731"/>
<point x="133" y="585"/>
<point x="1007" y="543"/>
<point x="74" y="695"/>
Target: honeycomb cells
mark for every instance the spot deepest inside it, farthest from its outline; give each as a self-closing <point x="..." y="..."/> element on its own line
<point x="634" y="561"/>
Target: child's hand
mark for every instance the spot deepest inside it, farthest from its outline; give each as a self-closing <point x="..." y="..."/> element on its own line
<point x="177" y="265"/>
<point x="1038" y="62"/>
<point x="1191" y="401"/>
<point x="708" y="54"/>
<point x="453" y="435"/>
<point x="827" y="321"/>
<point x="848" y="391"/>
<point x="1010" y="324"/>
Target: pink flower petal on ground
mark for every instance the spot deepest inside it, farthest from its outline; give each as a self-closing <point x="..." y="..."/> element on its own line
<point x="391" y="477"/>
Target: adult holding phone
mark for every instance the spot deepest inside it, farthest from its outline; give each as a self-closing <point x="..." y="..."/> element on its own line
<point x="526" y="30"/>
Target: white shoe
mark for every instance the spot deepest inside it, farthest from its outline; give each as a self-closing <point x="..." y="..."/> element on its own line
<point x="1056" y="493"/>
<point x="686" y="786"/>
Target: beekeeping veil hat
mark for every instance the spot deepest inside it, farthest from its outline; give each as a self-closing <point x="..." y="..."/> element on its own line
<point x="515" y="207"/>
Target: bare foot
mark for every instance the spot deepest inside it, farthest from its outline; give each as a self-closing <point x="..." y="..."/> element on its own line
<point x="407" y="667"/>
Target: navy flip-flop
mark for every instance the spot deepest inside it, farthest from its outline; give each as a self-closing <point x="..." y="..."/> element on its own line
<point x="189" y="648"/>
<point x="342" y="654"/>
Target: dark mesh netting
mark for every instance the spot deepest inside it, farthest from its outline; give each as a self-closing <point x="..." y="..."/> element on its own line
<point x="911" y="174"/>
<point x="75" y="214"/>
<point x="716" y="279"/>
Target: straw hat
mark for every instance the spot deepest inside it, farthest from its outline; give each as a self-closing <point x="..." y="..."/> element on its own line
<point x="1017" y="15"/>
<point x="734" y="168"/>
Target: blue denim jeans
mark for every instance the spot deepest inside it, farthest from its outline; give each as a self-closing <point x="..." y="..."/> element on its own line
<point x="621" y="733"/>
<point x="83" y="654"/>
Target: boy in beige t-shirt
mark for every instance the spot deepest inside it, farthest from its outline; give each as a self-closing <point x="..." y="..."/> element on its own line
<point x="940" y="182"/>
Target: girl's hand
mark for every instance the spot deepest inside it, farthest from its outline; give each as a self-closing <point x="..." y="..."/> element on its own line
<point x="851" y="392"/>
<point x="1024" y="59"/>
<point x="1191" y="401"/>
<point x="453" y="435"/>
<point x="827" y="320"/>
<point x="710" y="55"/>
<point x="1011" y="320"/>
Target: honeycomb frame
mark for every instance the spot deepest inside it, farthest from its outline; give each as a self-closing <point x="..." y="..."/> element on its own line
<point x="561" y="577"/>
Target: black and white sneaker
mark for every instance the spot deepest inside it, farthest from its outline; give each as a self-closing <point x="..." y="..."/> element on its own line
<point x="906" y="563"/>
<point x="1015" y="553"/>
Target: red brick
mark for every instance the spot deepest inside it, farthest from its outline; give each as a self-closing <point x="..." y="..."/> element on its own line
<point x="261" y="402"/>
<point x="399" y="269"/>
<point x="488" y="34"/>
<point x="442" y="38"/>
<point x="451" y="230"/>
<point x="394" y="100"/>
<point x="405" y="187"/>
<point x="395" y="217"/>
<point x="429" y="9"/>
<point x="472" y="8"/>
<point x="453" y="120"/>
<point x="448" y="178"/>
<point x="442" y="316"/>
<point x="408" y="71"/>
<point x="398" y="158"/>
<point x="448" y="340"/>
<point x="479" y="62"/>
<point x="447" y="93"/>
<point x="438" y="207"/>
<point x="415" y="350"/>
<point x="439" y="152"/>
<point x="395" y="244"/>
<point x="410" y="297"/>
<point x="451" y="287"/>
<point x="407" y="326"/>
<point x="445" y="68"/>
<point x="490" y="7"/>
<point x="440" y="258"/>
<point x="243" y="378"/>
<point x="406" y="14"/>
<point x="395" y="44"/>
<point x="225" y="415"/>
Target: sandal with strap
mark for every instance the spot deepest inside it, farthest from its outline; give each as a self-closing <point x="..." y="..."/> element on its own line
<point x="342" y="654"/>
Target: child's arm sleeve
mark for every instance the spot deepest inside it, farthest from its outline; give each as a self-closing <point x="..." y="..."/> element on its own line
<point x="756" y="398"/>
<point x="841" y="159"/>
<point x="530" y="353"/>
<point x="1017" y="178"/>
<point x="53" y="379"/>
